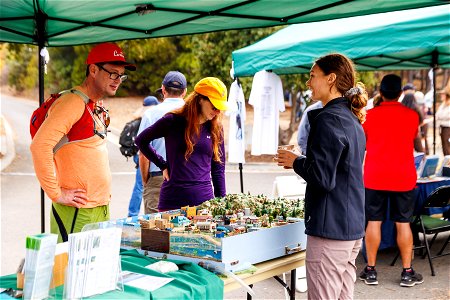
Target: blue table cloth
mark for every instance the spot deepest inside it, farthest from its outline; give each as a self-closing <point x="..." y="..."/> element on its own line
<point x="423" y="189"/>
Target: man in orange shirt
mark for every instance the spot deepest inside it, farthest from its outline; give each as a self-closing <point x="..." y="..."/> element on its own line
<point x="69" y="149"/>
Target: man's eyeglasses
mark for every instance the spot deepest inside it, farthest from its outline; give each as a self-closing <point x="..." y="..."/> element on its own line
<point x="114" y="75"/>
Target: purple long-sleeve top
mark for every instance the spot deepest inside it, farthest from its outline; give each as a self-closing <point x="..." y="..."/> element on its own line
<point x="189" y="180"/>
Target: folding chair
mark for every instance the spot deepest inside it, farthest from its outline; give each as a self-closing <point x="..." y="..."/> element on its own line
<point x="426" y="224"/>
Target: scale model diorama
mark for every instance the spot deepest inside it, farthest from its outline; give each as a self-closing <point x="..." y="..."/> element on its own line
<point x="262" y="228"/>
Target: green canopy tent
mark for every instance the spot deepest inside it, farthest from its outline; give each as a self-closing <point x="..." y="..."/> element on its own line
<point x="67" y="23"/>
<point x="412" y="39"/>
<point x="63" y="23"/>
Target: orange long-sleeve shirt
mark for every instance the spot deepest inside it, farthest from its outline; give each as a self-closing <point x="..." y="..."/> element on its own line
<point x="77" y="164"/>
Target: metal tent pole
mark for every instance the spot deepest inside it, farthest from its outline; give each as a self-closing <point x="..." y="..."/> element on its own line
<point x="434" y="65"/>
<point x="241" y="177"/>
<point x="41" y="19"/>
<point x="41" y="100"/>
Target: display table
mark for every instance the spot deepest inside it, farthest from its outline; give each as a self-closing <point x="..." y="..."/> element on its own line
<point x="190" y="281"/>
<point x="269" y="269"/>
<point x="193" y="282"/>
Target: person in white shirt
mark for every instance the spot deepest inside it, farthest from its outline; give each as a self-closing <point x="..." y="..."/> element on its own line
<point x="443" y="117"/>
<point x="304" y="127"/>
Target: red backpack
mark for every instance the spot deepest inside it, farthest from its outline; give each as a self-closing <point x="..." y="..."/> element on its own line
<point x="39" y="115"/>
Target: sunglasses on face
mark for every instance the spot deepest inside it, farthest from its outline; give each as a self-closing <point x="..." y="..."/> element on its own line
<point x="214" y="108"/>
<point x="114" y="75"/>
<point x="212" y="105"/>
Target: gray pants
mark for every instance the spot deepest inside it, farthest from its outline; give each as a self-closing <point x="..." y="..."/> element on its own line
<point x="330" y="268"/>
<point x="151" y="192"/>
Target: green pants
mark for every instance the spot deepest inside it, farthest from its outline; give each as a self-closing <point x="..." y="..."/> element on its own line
<point x="83" y="216"/>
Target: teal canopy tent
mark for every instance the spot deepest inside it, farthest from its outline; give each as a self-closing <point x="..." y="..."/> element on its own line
<point x="67" y="23"/>
<point x="410" y="39"/>
<point x="64" y="23"/>
<point x="413" y="39"/>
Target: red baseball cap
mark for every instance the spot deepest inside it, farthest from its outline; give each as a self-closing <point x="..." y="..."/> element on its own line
<point x="108" y="53"/>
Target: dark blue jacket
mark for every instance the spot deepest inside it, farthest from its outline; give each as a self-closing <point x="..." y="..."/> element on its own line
<point x="332" y="168"/>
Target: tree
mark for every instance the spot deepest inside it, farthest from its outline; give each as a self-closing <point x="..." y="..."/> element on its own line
<point x="214" y="51"/>
<point x="22" y="63"/>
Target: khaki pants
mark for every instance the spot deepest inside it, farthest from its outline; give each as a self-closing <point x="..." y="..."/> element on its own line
<point x="330" y="268"/>
<point x="151" y="192"/>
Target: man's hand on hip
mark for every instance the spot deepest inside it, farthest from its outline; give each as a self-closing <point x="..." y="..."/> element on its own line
<point x="73" y="197"/>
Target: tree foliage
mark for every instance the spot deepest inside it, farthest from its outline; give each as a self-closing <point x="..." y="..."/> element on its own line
<point x="196" y="56"/>
<point x="22" y="62"/>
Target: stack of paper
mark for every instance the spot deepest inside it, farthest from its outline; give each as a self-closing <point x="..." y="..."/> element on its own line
<point x="94" y="262"/>
<point x="39" y="260"/>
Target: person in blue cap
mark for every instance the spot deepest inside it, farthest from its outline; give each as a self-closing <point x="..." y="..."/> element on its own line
<point x="173" y="89"/>
<point x="136" y="196"/>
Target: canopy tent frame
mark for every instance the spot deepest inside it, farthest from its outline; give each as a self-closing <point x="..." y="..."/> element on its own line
<point x="216" y="15"/>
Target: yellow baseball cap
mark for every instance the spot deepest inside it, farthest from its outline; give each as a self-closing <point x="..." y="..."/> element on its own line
<point x="215" y="90"/>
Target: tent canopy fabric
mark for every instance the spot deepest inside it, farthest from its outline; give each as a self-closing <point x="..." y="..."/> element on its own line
<point x="65" y="23"/>
<point x="410" y="39"/>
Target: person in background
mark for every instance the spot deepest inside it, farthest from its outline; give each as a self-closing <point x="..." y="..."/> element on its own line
<point x="136" y="196"/>
<point x="389" y="172"/>
<point x="148" y="101"/>
<point x="408" y="88"/>
<point x="159" y="95"/>
<point x="195" y="152"/>
<point x="76" y="176"/>
<point x="304" y="127"/>
<point x="173" y="89"/>
<point x="443" y="117"/>
<point x="332" y="168"/>
<point x="420" y="100"/>
<point x="409" y="100"/>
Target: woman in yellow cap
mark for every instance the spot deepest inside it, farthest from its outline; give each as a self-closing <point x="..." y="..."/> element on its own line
<point x="195" y="152"/>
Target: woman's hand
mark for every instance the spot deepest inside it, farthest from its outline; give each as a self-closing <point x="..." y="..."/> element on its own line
<point x="285" y="158"/>
<point x="166" y="174"/>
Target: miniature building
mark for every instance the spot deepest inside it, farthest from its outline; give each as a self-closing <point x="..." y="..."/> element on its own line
<point x="219" y="234"/>
<point x="206" y="226"/>
<point x="147" y="224"/>
<point x="189" y="211"/>
<point x="155" y="216"/>
<point x="204" y="212"/>
<point x="162" y="224"/>
<point x="251" y="219"/>
<point x="169" y="216"/>
<point x="180" y="221"/>
<point x="202" y="218"/>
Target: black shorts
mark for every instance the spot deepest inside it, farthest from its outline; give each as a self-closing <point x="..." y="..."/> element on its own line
<point x="401" y="205"/>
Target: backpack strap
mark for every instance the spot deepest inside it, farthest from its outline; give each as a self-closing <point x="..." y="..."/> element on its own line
<point x="86" y="100"/>
<point x="61" y="227"/>
<point x="81" y="94"/>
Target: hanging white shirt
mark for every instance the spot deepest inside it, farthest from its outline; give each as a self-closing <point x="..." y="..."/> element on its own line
<point x="267" y="100"/>
<point x="236" y="137"/>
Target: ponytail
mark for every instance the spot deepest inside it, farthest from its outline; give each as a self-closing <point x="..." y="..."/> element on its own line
<point x="358" y="100"/>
